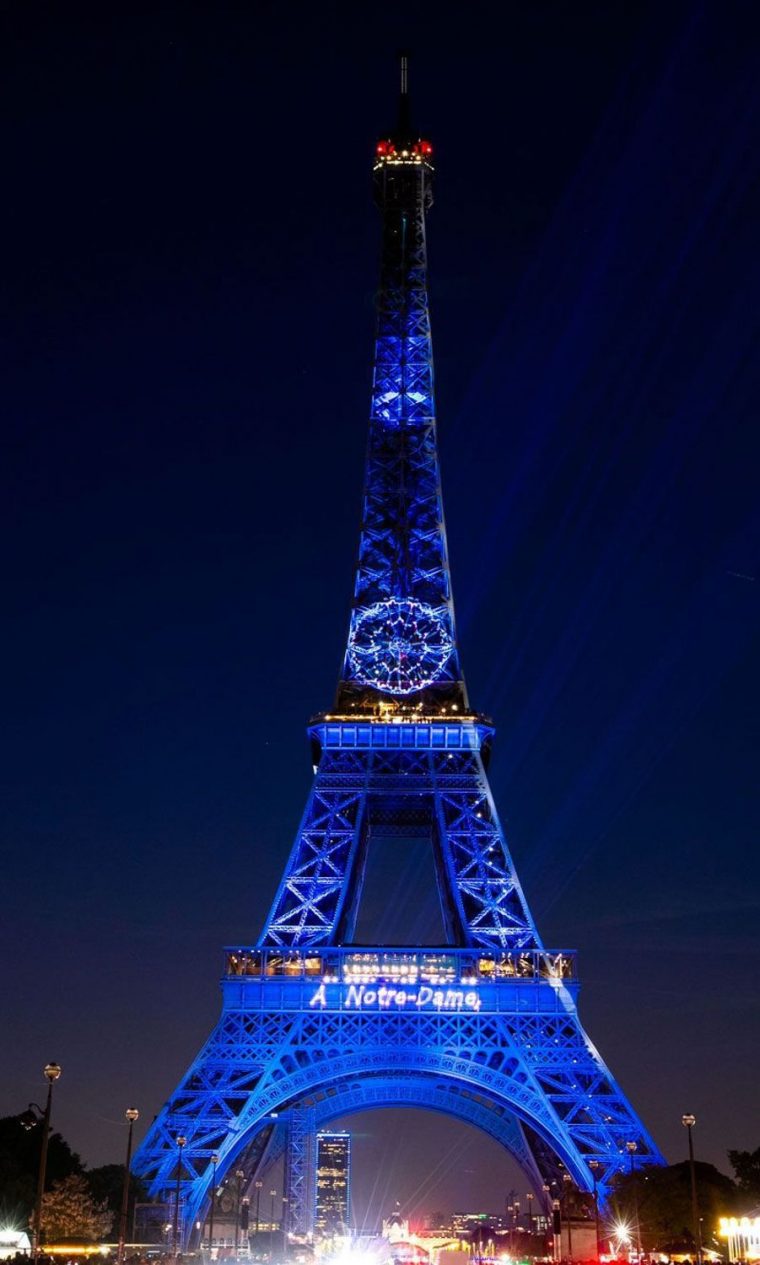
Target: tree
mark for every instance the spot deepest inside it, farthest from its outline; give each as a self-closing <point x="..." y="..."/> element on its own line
<point x="19" y="1163"/>
<point x="107" y="1185"/>
<point x="661" y="1199"/>
<point x="70" y="1212"/>
<point x="746" y="1166"/>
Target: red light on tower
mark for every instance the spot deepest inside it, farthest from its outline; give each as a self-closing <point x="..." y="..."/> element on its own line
<point x="382" y="148"/>
<point x="426" y="148"/>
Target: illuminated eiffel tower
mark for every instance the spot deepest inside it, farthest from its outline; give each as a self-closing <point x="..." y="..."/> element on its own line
<point x="485" y="1027"/>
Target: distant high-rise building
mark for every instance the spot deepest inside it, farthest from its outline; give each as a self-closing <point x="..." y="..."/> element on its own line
<point x="333" y="1184"/>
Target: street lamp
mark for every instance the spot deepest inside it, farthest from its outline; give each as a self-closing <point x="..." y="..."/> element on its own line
<point x="557" y="1229"/>
<point x="632" y="1148"/>
<point x="594" y="1166"/>
<point x="131" y="1114"/>
<point x="214" y="1162"/>
<point x="240" y="1175"/>
<point x="52" y="1072"/>
<point x="688" y="1121"/>
<point x="181" y="1143"/>
<point x="529" y="1198"/>
<point x="566" y="1181"/>
<point x="272" y="1195"/>
<point x="258" y="1186"/>
<point x="284" y="1221"/>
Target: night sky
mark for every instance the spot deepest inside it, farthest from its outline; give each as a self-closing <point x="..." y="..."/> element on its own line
<point x="190" y="254"/>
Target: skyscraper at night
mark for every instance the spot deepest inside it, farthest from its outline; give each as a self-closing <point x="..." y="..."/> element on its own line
<point x="333" y="1182"/>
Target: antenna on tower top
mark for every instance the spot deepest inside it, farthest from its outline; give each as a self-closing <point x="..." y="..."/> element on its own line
<point x="404" y="125"/>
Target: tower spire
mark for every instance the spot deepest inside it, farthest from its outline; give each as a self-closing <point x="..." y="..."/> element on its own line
<point x="402" y="653"/>
<point x="404" y="121"/>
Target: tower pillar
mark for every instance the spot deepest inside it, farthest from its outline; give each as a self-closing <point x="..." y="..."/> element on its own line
<point x="298" y="1219"/>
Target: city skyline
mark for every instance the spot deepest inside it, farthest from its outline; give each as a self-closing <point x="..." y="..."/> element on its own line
<point x="108" y="912"/>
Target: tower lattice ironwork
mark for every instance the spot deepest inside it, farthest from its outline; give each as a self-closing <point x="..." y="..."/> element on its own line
<point x="484" y="1028"/>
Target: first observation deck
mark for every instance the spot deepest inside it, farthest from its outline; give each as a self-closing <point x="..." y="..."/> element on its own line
<point x="413" y="979"/>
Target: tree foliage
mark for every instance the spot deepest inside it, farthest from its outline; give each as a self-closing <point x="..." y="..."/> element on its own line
<point x="70" y="1212"/>
<point x="107" y="1184"/>
<point x="20" y="1143"/>
<point x="746" y="1166"/>
<point x="660" y="1199"/>
<point x="19" y="1164"/>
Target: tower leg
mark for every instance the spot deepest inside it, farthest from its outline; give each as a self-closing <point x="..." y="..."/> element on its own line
<point x="298" y="1219"/>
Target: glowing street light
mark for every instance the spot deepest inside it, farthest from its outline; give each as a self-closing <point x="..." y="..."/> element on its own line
<point x="556" y="1229"/>
<point x="272" y="1197"/>
<point x="181" y="1144"/>
<point x="688" y="1121"/>
<point x="131" y="1114"/>
<point x="258" y="1187"/>
<point x="594" y="1166"/>
<point x="240" y="1175"/>
<point x="566" y="1181"/>
<point x="52" y="1072"/>
<point x="632" y="1148"/>
<point x="214" y="1162"/>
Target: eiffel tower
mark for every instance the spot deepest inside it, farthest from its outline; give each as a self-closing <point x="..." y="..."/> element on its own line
<point x="314" y="1026"/>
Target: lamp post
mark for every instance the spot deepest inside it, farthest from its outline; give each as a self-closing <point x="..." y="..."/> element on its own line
<point x="245" y="1221"/>
<point x="688" y="1121"/>
<point x="258" y="1186"/>
<point x="557" y="1229"/>
<point x="181" y="1143"/>
<point x="132" y="1114"/>
<point x="529" y="1198"/>
<point x="632" y="1148"/>
<point x="52" y="1072"/>
<point x="212" y="1209"/>
<point x="566" y="1181"/>
<point x="272" y="1196"/>
<point x="547" y="1201"/>
<point x="594" y="1166"/>
<point x="240" y="1175"/>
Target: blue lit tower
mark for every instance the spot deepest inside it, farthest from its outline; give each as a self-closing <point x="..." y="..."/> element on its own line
<point x="485" y="1027"/>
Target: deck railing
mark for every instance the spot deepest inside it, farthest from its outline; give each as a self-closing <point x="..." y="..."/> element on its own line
<point x="401" y="966"/>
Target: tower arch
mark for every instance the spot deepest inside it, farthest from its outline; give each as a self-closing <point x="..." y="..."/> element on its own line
<point x="358" y="1091"/>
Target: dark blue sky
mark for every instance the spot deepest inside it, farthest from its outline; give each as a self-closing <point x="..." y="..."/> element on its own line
<point x="190" y="257"/>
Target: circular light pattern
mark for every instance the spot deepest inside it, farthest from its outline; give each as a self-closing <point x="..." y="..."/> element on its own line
<point x="399" y="646"/>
